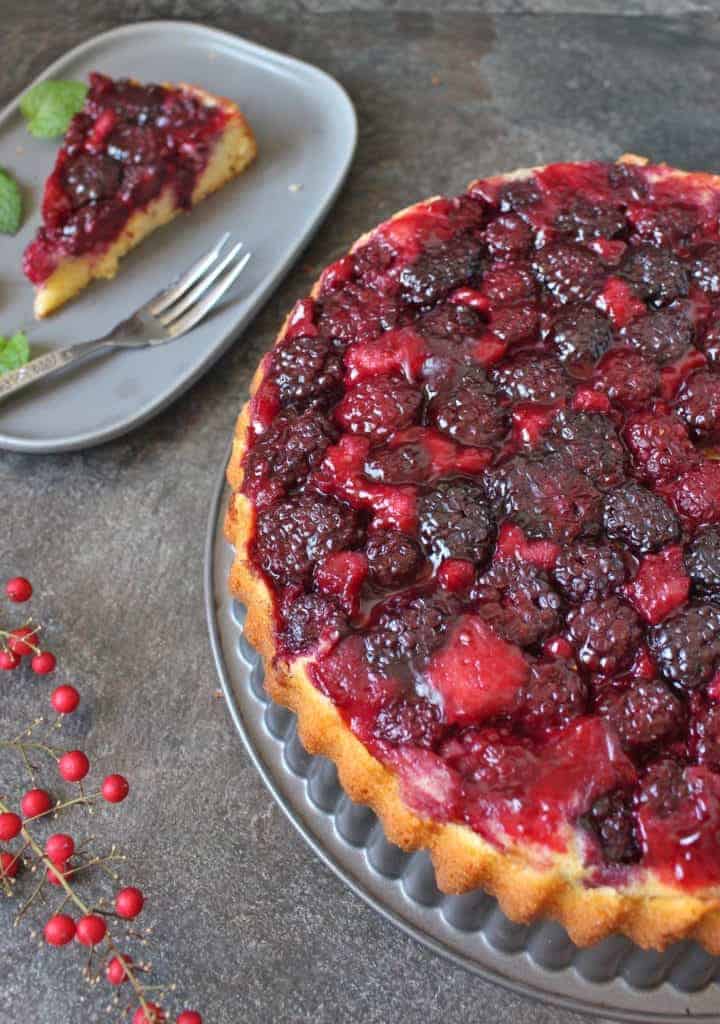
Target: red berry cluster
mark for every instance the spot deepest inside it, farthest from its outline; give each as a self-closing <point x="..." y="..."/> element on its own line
<point x="58" y="858"/>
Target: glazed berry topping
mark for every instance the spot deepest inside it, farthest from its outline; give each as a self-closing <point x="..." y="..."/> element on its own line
<point x="520" y="613"/>
<point x="638" y="518"/>
<point x="455" y="522"/>
<point x="587" y="572"/>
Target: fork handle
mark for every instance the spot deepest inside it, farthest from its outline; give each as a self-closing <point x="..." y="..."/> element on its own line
<point x="48" y="365"/>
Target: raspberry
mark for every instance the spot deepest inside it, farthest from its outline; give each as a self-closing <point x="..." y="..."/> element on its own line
<point x="637" y="517"/>
<point x="705" y="267"/>
<point x="568" y="271"/>
<point x="656" y="274"/>
<point x="580" y="334"/>
<point x="663" y="336"/>
<point x="413" y="721"/>
<point x="702" y="563"/>
<point x="517" y="600"/>
<point x="409" y="629"/>
<point x="289" y="450"/>
<point x="613" y="822"/>
<point x="356" y="314"/>
<point x="306" y="369"/>
<point x="553" y="695"/>
<point x="508" y="237"/>
<point x="686" y="645"/>
<point x="591" y="445"/>
<point x="586" y="572"/>
<point x="546" y="497"/>
<point x="606" y="634"/>
<point x="628" y="378"/>
<point x="583" y="220"/>
<point x="378" y="407"/>
<point x="705" y="736"/>
<point x="455" y="522"/>
<point x="441" y="268"/>
<point x="660" y="446"/>
<point x="696" y="495"/>
<point x="393" y="558"/>
<point x="468" y="411"/>
<point x="308" y="620"/>
<point x="643" y="714"/>
<point x="531" y="377"/>
<point x="698" y="404"/>
<point x="291" y="536"/>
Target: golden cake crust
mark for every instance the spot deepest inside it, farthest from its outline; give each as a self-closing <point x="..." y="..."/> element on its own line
<point x="528" y="882"/>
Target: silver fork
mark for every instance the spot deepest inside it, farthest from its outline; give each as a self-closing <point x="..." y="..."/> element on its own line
<point x="168" y="315"/>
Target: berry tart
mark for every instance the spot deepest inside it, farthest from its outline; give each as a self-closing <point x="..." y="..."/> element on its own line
<point x="131" y="160"/>
<point x="476" y="516"/>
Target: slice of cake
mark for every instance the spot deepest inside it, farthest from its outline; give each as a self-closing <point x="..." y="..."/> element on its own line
<point x="132" y="159"/>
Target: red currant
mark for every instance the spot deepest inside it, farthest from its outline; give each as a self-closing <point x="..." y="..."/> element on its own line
<point x="22" y="641"/>
<point x="60" y="848"/>
<point x="91" y="929"/>
<point x="73" y="766"/>
<point x="115" y="971"/>
<point x="35" y="802"/>
<point x="154" y="1014"/>
<point x="9" y="864"/>
<point x="60" y="930"/>
<point x="8" y="661"/>
<point x="10" y="825"/>
<point x="189" y="1017"/>
<point x="65" y="699"/>
<point x="18" y="589"/>
<point x="44" y="663"/>
<point x="56" y="873"/>
<point x="115" y="788"/>
<point x="129" y="902"/>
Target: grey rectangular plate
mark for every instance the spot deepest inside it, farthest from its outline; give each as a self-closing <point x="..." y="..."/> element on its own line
<point x="306" y="131"/>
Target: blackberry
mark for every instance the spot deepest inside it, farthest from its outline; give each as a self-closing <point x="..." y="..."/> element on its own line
<point x="86" y="179"/>
<point x="586" y="572"/>
<point x="516" y="323"/>
<point x="378" y="407"/>
<point x="583" y="220"/>
<point x="686" y="645"/>
<point x="531" y="377"/>
<point x="409" y="630"/>
<point x="705" y="736"/>
<point x="306" y="369"/>
<point x="517" y="600"/>
<point x="407" y="463"/>
<point x="702" y="563"/>
<point x="580" y="334"/>
<point x="637" y="517"/>
<point x="698" y="404"/>
<point x="512" y="283"/>
<point x="308" y="619"/>
<point x="569" y="272"/>
<point x="606" y="634"/>
<point x="663" y="788"/>
<point x="518" y="195"/>
<point x="612" y="820"/>
<point x="450" y="320"/>
<point x="627" y="180"/>
<point x="545" y="496"/>
<point x="455" y="522"/>
<point x="663" y="336"/>
<point x="409" y="721"/>
<point x="441" y="268"/>
<point x="553" y="695"/>
<point x="508" y="237"/>
<point x="670" y="225"/>
<point x="705" y="267"/>
<point x="629" y="379"/>
<point x="469" y="412"/>
<point x="660" y="446"/>
<point x="590" y="443"/>
<point x="393" y="558"/>
<point x="356" y="314"/>
<point x="657" y="275"/>
<point x="295" y="534"/>
<point x="642" y="715"/>
<point x="289" y="449"/>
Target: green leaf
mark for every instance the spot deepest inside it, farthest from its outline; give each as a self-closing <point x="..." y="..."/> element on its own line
<point x="49" y="106"/>
<point x="14" y="352"/>
<point x="10" y="204"/>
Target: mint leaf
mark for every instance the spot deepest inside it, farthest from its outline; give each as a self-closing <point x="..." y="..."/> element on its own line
<point x="49" y="106"/>
<point x="14" y="352"/>
<point x="10" y="204"/>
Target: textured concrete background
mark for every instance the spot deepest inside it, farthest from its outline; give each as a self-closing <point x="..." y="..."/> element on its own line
<point x="247" y="921"/>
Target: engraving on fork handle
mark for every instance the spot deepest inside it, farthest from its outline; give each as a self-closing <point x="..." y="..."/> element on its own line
<point x="44" y="366"/>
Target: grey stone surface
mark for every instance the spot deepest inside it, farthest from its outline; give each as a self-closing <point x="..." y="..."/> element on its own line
<point x="247" y="922"/>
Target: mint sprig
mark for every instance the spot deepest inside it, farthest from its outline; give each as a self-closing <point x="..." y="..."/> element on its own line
<point x="14" y="352"/>
<point x="49" y="106"/>
<point x="10" y="204"/>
